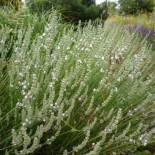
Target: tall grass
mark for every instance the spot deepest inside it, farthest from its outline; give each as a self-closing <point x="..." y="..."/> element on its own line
<point x="89" y="91"/>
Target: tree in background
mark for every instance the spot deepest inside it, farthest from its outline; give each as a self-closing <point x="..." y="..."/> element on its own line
<point x="40" y="6"/>
<point x="108" y="8"/>
<point x="88" y="2"/>
<point x="112" y="8"/>
<point x="71" y="10"/>
<point x="80" y="10"/>
<point x="135" y="6"/>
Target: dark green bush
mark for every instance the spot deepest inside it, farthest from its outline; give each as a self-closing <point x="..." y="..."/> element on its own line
<point x="136" y="6"/>
<point x="71" y="10"/>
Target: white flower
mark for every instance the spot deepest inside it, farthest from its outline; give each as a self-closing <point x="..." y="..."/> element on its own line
<point x="136" y="56"/>
<point x="23" y="92"/>
<point x="102" y="58"/>
<point x="93" y="144"/>
<point x="24" y="87"/>
<point x="19" y="104"/>
<point x="96" y="56"/>
<point x="131" y="76"/>
<point x="79" y="61"/>
<point x="122" y="49"/>
<point x="26" y="97"/>
<point x="51" y="85"/>
<point x="80" y="98"/>
<point x="115" y="90"/>
<point x="72" y="39"/>
<point x="119" y="79"/>
<point x="111" y="58"/>
<point x="26" y="120"/>
<point x="11" y="85"/>
<point x="145" y="142"/>
<point x="16" y="61"/>
<point x="87" y="49"/>
<point x="116" y="57"/>
<point x="94" y="90"/>
<point x="34" y="75"/>
<point x="102" y="70"/>
<point x="21" y="74"/>
<point x="58" y="47"/>
<point x="82" y="49"/>
<point x="66" y="57"/>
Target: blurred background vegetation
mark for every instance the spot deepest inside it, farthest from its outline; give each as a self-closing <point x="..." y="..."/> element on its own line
<point x="84" y="10"/>
<point x="133" y="14"/>
<point x="71" y="10"/>
<point x="136" y="6"/>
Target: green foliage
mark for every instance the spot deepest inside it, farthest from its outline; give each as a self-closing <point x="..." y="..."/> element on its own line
<point x="112" y="8"/>
<point x="143" y="21"/>
<point x="88" y="2"/>
<point x="21" y="19"/>
<point x="135" y="6"/>
<point x="77" y="11"/>
<point x="40" y="6"/>
<point x="146" y="20"/>
<point x="143" y="153"/>
<point x="14" y="19"/>
<point x="15" y="3"/>
<point x="71" y="10"/>
<point x="89" y="91"/>
<point x="108" y="7"/>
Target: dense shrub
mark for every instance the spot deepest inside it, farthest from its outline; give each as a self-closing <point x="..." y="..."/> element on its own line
<point x="15" y="3"/>
<point x="71" y="10"/>
<point x="136" y="6"/>
<point x="89" y="91"/>
<point x="13" y="19"/>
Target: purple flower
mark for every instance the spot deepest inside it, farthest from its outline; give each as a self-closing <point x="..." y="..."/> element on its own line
<point x="143" y="31"/>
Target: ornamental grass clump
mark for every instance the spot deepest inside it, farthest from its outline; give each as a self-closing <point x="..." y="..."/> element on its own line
<point x="89" y="91"/>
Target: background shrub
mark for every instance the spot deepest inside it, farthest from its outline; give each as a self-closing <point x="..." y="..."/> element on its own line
<point x="136" y="6"/>
<point x="144" y="24"/>
<point x="71" y="10"/>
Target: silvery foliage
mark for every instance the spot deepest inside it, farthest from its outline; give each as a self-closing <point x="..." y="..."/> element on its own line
<point x="92" y="88"/>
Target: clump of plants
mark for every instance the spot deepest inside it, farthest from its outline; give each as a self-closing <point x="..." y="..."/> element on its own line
<point x="144" y="24"/>
<point x="71" y="10"/>
<point x="89" y="91"/>
<point x="13" y="19"/>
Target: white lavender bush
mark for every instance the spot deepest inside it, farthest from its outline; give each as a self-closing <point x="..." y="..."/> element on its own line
<point x="88" y="91"/>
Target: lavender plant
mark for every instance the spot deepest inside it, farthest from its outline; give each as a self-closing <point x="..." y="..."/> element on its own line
<point x="89" y="91"/>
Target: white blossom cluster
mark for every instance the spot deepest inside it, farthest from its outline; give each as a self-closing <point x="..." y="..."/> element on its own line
<point x="85" y="90"/>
